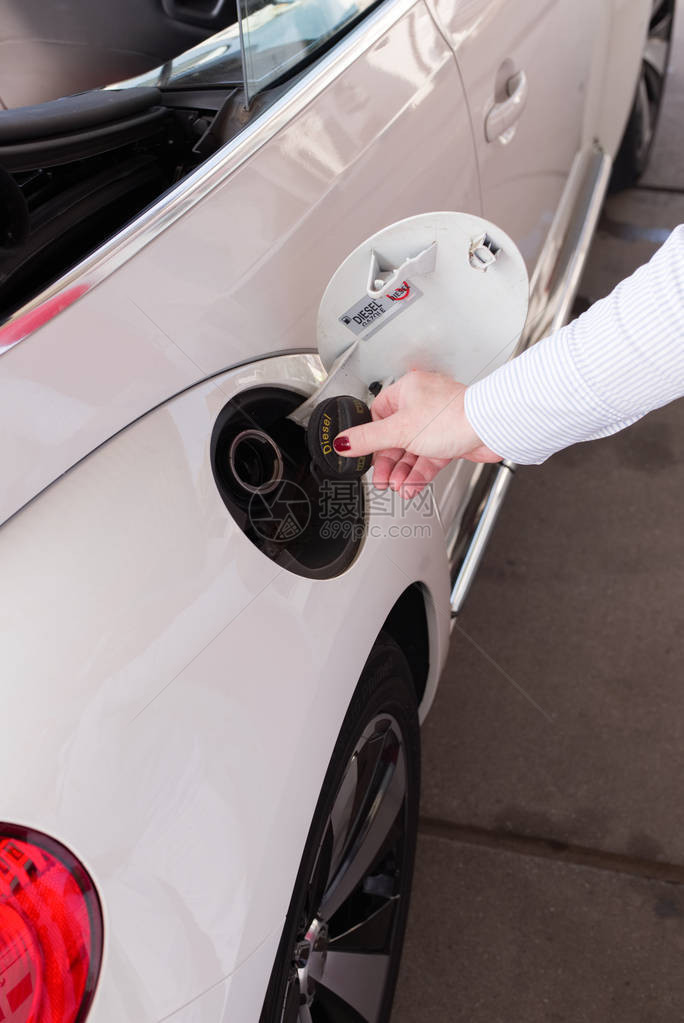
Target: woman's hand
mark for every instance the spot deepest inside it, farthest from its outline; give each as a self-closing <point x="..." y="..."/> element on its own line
<point x="419" y="425"/>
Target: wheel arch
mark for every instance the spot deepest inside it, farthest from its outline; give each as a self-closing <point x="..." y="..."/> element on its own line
<point x="407" y="624"/>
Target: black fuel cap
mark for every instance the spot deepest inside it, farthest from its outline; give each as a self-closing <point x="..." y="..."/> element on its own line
<point x="332" y="416"/>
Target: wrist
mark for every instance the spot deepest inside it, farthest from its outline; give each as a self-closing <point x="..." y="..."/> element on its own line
<point x="478" y="449"/>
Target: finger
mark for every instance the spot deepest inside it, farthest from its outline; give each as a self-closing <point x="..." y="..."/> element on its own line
<point x="386" y="402"/>
<point x="384" y="462"/>
<point x="422" y="473"/>
<point x="393" y="453"/>
<point x="361" y="440"/>
<point x="401" y="471"/>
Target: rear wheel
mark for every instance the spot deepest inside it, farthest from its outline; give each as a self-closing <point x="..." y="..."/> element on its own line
<point x="637" y="142"/>
<point x="339" y="954"/>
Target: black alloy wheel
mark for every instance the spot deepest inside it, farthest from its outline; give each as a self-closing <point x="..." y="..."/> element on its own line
<point x="339" y="954"/>
<point x="637" y="142"/>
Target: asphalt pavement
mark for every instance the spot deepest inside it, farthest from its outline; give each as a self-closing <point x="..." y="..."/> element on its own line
<point x="550" y="875"/>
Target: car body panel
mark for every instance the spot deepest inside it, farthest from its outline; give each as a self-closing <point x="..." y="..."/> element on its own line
<point x="523" y="179"/>
<point x="626" y="38"/>
<point x="185" y="690"/>
<point x="180" y="694"/>
<point x="198" y="299"/>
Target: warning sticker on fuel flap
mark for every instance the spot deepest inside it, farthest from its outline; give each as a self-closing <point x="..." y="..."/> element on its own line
<point x="369" y="315"/>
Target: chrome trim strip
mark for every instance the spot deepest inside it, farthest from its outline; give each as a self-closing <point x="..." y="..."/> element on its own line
<point x="565" y="265"/>
<point x="561" y="263"/>
<point x="480" y="537"/>
<point x="579" y="240"/>
<point x="96" y="267"/>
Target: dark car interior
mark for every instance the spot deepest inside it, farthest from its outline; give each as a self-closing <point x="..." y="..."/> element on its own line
<point x="75" y="169"/>
<point x="48" y="50"/>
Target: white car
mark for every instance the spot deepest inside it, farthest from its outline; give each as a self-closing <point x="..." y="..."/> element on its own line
<point x="211" y="684"/>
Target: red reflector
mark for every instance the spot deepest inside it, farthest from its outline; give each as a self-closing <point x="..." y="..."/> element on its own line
<point x="20" y="327"/>
<point x="50" y="931"/>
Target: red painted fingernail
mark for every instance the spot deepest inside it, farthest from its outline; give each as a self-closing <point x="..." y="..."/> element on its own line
<point x="341" y="443"/>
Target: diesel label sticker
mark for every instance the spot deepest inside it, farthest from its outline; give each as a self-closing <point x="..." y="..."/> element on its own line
<point x="369" y="315"/>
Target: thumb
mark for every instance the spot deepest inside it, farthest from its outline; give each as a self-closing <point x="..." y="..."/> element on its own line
<point x="375" y="436"/>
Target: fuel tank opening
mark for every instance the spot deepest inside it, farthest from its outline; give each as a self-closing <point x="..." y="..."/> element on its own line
<point x="298" y="517"/>
<point x="255" y="462"/>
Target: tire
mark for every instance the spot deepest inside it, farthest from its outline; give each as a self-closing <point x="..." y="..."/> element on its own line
<point x="637" y="142"/>
<point x="338" y="958"/>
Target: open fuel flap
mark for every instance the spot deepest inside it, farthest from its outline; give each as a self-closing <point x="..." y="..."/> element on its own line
<point x="446" y="292"/>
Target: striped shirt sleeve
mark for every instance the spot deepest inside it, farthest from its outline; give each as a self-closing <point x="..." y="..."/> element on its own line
<point x="622" y="358"/>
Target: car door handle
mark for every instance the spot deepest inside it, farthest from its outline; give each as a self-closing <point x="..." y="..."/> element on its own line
<point x="501" y="119"/>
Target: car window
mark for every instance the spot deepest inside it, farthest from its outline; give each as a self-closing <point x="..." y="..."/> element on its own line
<point x="269" y="40"/>
<point x="276" y="37"/>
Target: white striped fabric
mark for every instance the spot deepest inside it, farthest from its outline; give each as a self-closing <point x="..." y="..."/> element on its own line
<point x="623" y="358"/>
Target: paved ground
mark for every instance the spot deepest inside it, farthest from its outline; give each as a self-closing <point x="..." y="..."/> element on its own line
<point x="550" y="874"/>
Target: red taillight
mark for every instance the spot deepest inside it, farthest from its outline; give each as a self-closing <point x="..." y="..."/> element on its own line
<point x="50" y="931"/>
